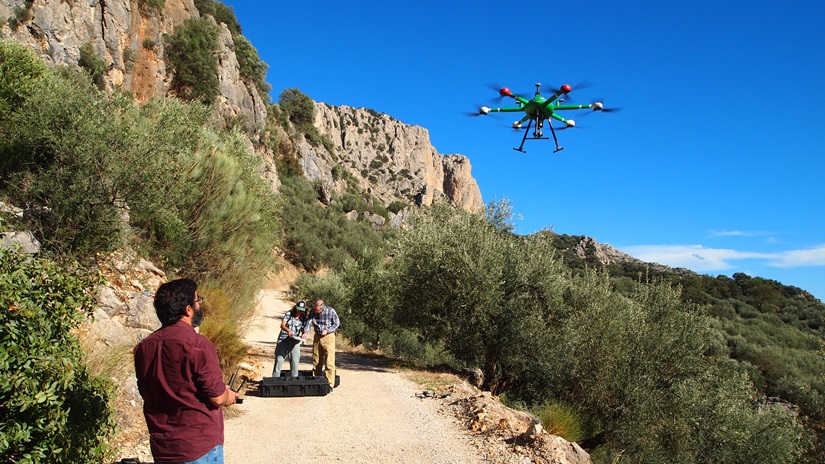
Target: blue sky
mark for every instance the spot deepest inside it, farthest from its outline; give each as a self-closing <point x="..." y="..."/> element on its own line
<point x="714" y="164"/>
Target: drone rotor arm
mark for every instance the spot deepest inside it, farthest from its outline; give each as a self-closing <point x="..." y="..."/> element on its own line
<point x="574" y="107"/>
<point x="511" y="109"/>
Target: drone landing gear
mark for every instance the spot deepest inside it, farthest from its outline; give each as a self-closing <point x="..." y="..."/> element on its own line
<point x="538" y="134"/>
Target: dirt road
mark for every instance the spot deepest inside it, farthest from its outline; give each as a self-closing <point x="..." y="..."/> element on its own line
<point x="374" y="416"/>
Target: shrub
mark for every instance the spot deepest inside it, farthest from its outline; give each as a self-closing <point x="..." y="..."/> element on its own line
<point x="316" y="236"/>
<point x="560" y="420"/>
<point x="92" y="63"/>
<point x="252" y="69"/>
<point x="20" y="71"/>
<point x="54" y="410"/>
<point x="299" y="107"/>
<point x="190" y="53"/>
<point x="222" y="14"/>
<point x="397" y="206"/>
<point x="66" y="156"/>
<point x="151" y="7"/>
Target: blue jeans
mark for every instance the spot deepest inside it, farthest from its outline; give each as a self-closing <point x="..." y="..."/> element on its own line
<point x="215" y="456"/>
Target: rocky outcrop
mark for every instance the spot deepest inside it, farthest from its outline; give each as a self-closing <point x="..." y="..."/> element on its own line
<point x="387" y="159"/>
<point x="604" y="253"/>
<point x="130" y="39"/>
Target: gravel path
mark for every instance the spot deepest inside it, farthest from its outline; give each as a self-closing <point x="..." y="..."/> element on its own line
<point x="374" y="416"/>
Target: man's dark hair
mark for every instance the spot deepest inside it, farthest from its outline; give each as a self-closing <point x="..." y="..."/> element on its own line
<point x="172" y="298"/>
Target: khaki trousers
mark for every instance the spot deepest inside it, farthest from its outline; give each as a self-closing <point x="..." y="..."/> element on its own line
<point x="323" y="356"/>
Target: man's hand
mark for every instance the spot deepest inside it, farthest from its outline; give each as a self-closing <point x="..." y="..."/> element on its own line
<point x="228" y="398"/>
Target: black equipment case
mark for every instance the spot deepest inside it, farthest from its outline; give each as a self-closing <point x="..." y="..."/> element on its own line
<point x="294" y="386"/>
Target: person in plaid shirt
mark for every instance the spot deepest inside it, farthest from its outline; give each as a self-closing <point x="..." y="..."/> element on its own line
<point x="325" y="321"/>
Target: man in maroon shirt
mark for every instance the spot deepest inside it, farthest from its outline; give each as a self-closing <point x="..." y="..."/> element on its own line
<point x="181" y="381"/>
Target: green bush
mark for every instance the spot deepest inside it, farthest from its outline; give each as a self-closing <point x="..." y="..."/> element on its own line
<point x="299" y="108"/>
<point x="53" y="410"/>
<point x="318" y="237"/>
<point x="252" y="69"/>
<point x="222" y="14"/>
<point x="98" y="171"/>
<point x="66" y="156"/>
<point x="92" y="63"/>
<point x="20" y="70"/>
<point x="485" y="293"/>
<point x="191" y="56"/>
<point x="151" y="7"/>
<point x="397" y="206"/>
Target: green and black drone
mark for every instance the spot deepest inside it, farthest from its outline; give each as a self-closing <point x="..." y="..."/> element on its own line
<point x="540" y="109"/>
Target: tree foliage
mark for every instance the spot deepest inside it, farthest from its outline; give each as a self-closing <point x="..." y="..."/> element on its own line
<point x="645" y="373"/>
<point x="97" y="171"/>
<point x="222" y="14"/>
<point x="252" y="69"/>
<point x="52" y="410"/>
<point x="299" y="107"/>
<point x="190" y="53"/>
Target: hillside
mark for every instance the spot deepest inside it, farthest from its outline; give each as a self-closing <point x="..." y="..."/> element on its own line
<point x="129" y="161"/>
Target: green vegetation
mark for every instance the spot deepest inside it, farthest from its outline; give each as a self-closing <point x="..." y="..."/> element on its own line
<point x="222" y="14"/>
<point x="191" y="55"/>
<point x="642" y="364"/>
<point x="318" y="236"/>
<point x="252" y="68"/>
<point x="152" y="7"/>
<point x="560" y="420"/>
<point x="99" y="172"/>
<point x="92" y="63"/>
<point x="53" y="410"/>
<point x="648" y="374"/>
<point x="300" y="110"/>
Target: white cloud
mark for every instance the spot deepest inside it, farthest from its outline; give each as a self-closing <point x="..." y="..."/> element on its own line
<point x="701" y="259"/>
<point x="737" y="233"/>
<point x="799" y="258"/>
<point x="694" y="257"/>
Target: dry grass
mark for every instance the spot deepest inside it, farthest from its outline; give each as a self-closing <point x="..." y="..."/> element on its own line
<point x="116" y="363"/>
<point x="431" y="380"/>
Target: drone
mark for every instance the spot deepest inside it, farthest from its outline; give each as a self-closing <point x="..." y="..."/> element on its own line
<point x="540" y="109"/>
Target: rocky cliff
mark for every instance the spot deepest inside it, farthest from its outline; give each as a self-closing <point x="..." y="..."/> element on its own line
<point x="128" y="35"/>
<point x="383" y="157"/>
<point x="387" y="159"/>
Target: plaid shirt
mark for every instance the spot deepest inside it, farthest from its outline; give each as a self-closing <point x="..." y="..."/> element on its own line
<point x="297" y="324"/>
<point x="326" y="320"/>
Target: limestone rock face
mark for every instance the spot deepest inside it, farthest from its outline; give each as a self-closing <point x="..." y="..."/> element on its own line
<point x="386" y="158"/>
<point x="130" y="39"/>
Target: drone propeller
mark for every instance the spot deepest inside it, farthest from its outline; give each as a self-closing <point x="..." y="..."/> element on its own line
<point x="567" y="88"/>
<point x="598" y="105"/>
<point x="500" y="89"/>
<point x="476" y="113"/>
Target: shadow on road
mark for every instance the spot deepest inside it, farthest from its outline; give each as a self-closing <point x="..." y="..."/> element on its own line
<point x="363" y="362"/>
